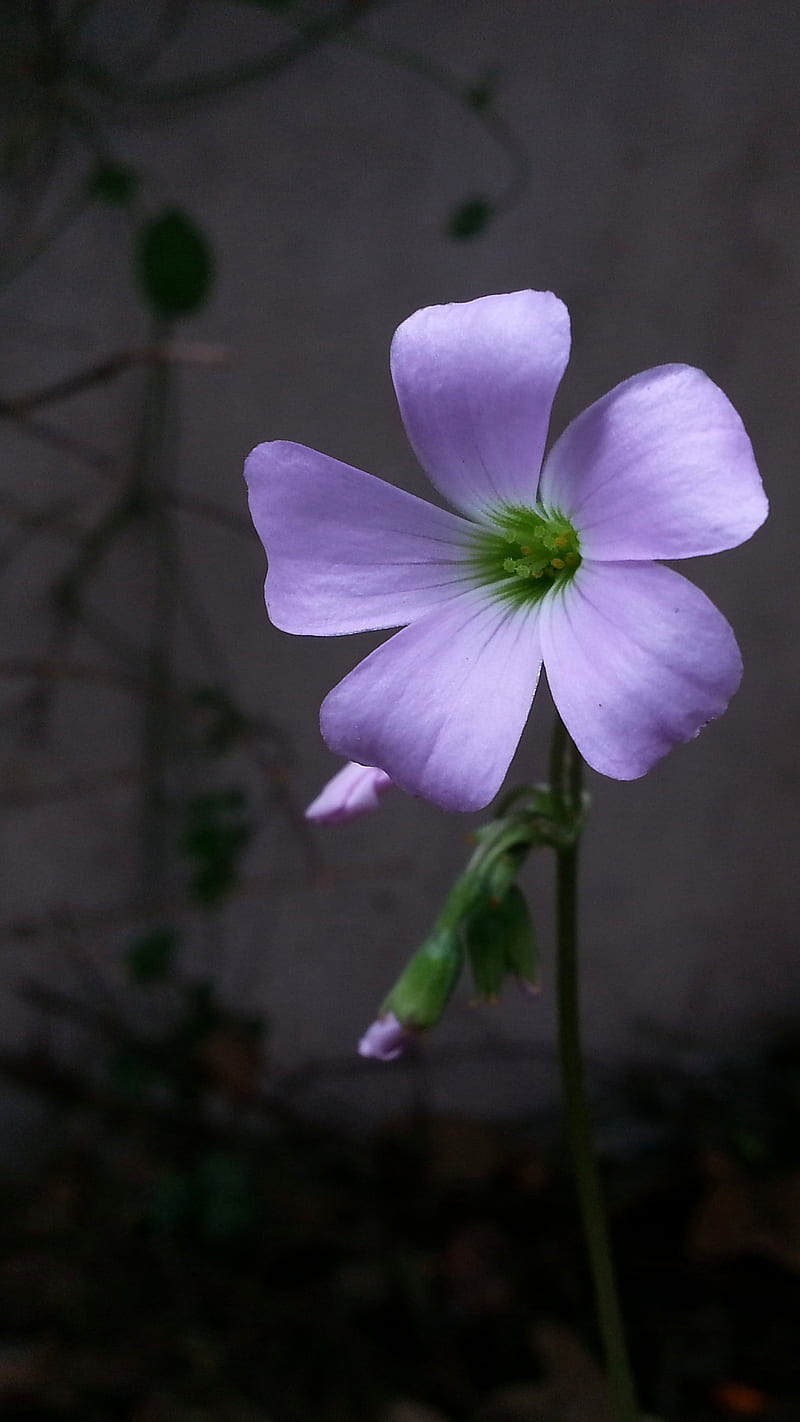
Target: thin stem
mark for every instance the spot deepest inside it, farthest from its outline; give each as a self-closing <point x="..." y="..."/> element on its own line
<point x="566" y="786"/>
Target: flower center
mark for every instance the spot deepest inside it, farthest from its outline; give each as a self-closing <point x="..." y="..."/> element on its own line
<point x="525" y="553"/>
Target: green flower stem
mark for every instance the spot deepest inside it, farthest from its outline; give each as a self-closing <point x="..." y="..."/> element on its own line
<point x="566" y="768"/>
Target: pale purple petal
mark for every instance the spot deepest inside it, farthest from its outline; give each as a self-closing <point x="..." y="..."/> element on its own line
<point x="475" y="383"/>
<point x="354" y="790"/>
<point x="442" y="704"/>
<point x="637" y="659"/>
<point x="346" y="551"/>
<point x="661" y="467"/>
<point x="385" y="1039"/>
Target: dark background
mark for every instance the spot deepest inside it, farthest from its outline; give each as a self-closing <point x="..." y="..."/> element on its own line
<point x="242" y="201"/>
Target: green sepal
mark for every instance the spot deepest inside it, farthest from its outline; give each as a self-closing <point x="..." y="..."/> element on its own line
<point x="423" y="989"/>
<point x="484" y="942"/>
<point x="522" y="946"/>
<point x="500" y="940"/>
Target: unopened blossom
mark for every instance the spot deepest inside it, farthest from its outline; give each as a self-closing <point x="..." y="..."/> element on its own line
<point x="385" y="1039"/>
<point x="354" y="790"/>
<point x="548" y="563"/>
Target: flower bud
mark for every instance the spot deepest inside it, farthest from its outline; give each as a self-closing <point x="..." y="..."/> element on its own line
<point x="420" y="994"/>
<point x="353" y="791"/>
<point x="385" y="1039"/>
<point x="500" y="940"/>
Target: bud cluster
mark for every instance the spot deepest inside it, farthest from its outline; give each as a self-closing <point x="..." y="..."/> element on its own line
<point x="485" y="924"/>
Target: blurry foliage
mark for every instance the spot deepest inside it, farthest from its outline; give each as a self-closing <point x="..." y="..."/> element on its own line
<point x="191" y="1248"/>
<point x="150" y="958"/>
<point x="470" y="219"/>
<point x="208" y="770"/>
<point x="217" y="831"/>
<point x="218" y="1257"/>
<point x="175" y="265"/>
<point x="113" y="183"/>
<point x="71" y="100"/>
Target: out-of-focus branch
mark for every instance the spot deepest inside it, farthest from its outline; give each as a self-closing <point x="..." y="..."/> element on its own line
<point x="86" y="919"/>
<point x="173" y="353"/>
<point x="312" y="35"/>
<point x="59" y="669"/>
<point x="22" y="796"/>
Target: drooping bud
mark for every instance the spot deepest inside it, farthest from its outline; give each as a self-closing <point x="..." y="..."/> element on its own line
<point x="353" y="791"/>
<point x="500" y="940"/>
<point x="385" y="1039"/>
<point x="421" y="993"/>
<point x="522" y="947"/>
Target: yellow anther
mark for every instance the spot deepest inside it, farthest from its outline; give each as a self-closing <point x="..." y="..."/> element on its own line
<point x="558" y="563"/>
<point x="562" y="541"/>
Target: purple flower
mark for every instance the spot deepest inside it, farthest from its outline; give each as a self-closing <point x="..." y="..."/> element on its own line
<point x="354" y="790"/>
<point x="385" y="1039"/>
<point x="553" y="567"/>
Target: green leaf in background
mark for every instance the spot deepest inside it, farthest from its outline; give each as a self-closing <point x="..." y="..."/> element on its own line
<point x="227" y="1204"/>
<point x="175" y="265"/>
<point x="134" y="1072"/>
<point x="213" y="1199"/>
<point x="150" y="958"/>
<point x="218" y="829"/>
<point x="114" y="184"/>
<point x="481" y="95"/>
<point x="223" y="725"/>
<point x="470" y="218"/>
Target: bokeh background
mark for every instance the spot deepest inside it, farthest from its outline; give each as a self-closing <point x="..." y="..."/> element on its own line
<point x="214" y="216"/>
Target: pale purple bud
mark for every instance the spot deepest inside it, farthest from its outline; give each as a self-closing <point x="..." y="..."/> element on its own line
<point x="354" y="790"/>
<point x="385" y="1039"/>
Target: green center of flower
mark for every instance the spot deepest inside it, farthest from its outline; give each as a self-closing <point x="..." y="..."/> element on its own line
<point x="525" y="553"/>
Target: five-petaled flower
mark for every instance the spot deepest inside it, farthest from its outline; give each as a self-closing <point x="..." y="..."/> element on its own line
<point x="552" y="563"/>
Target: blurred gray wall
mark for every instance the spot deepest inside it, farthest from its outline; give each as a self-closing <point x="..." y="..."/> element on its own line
<point x="662" y="202"/>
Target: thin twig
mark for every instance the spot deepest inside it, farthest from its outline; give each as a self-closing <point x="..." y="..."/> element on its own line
<point x="313" y="35"/>
<point x="24" y="927"/>
<point x="172" y="353"/>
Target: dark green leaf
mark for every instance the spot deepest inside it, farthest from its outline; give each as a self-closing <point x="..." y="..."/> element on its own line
<point x="113" y="183"/>
<point x="150" y="958"/>
<point x="175" y="265"/>
<point x="133" y="1071"/>
<point x="218" y="829"/>
<point x="172" y="1202"/>
<point x="470" y="218"/>
<point x="227" y="1205"/>
<point x="480" y="95"/>
<point x="222" y="723"/>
